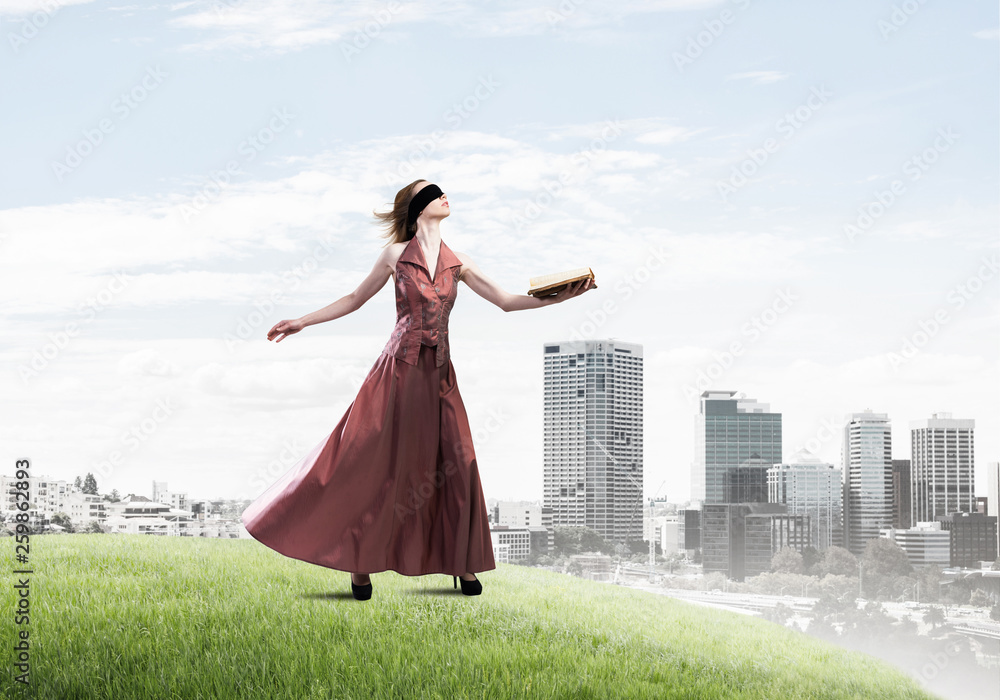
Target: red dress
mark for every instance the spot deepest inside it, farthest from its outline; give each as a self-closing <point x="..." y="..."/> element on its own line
<point x="396" y="484"/>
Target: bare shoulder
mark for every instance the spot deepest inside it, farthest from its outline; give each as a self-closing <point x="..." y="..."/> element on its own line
<point x="467" y="263"/>
<point x="390" y="254"/>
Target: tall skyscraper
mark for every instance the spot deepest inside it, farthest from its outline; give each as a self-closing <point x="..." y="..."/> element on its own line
<point x="736" y="441"/>
<point x="993" y="492"/>
<point x="867" y="459"/>
<point x="592" y="432"/>
<point x="942" y="467"/>
<point x="811" y="487"/>
<point x="901" y="501"/>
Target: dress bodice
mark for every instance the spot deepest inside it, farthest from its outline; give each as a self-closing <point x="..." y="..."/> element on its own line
<point x="423" y="304"/>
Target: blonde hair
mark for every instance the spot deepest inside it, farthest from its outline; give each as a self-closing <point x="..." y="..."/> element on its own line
<point x="394" y="220"/>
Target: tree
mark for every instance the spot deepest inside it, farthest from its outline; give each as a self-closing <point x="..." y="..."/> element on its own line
<point x="811" y="557"/>
<point x="934" y="616"/>
<point x="905" y="630"/>
<point x="787" y="561"/>
<point x="714" y="581"/>
<point x="839" y="562"/>
<point x="884" y="557"/>
<point x="883" y="562"/>
<point x="577" y="540"/>
<point x="674" y="560"/>
<point x="63" y="521"/>
<point x="113" y="497"/>
<point x="94" y="527"/>
<point x="90" y="484"/>
<point x="642" y="546"/>
<point x="980" y="598"/>
<point x="930" y="583"/>
<point x="995" y="612"/>
<point x="878" y="620"/>
<point x="996" y="565"/>
<point x="957" y="591"/>
<point x="780" y="614"/>
<point x="829" y="615"/>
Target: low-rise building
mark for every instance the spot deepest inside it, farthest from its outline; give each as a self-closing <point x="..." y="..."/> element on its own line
<point x="972" y="538"/>
<point x="924" y="544"/>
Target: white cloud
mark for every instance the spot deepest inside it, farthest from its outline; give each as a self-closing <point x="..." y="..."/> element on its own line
<point x="289" y="25"/>
<point x="147" y="362"/>
<point x="17" y="8"/>
<point x="988" y="34"/>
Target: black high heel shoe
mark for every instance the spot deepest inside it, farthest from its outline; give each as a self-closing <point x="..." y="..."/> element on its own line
<point x="468" y="587"/>
<point x="361" y="592"/>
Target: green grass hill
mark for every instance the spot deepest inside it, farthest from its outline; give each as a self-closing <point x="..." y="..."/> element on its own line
<point x="129" y="617"/>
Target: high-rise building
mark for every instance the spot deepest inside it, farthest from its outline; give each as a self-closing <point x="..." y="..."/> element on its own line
<point x="942" y="467"/>
<point x="746" y="483"/>
<point x="901" y="493"/>
<point x="592" y="429"/>
<point x="736" y="440"/>
<point x="867" y="460"/>
<point x="993" y="492"/>
<point x="810" y="487"/>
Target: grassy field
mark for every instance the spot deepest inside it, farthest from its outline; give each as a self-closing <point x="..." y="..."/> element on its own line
<point x="131" y="617"/>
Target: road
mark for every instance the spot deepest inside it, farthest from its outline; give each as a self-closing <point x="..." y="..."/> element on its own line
<point x="975" y="622"/>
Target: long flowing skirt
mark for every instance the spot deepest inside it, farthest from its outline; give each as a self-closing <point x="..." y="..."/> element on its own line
<point x="395" y="486"/>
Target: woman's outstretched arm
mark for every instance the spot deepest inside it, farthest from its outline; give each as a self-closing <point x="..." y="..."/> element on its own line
<point x="495" y="294"/>
<point x="343" y="306"/>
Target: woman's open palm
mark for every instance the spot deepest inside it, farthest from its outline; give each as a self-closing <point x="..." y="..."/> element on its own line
<point x="284" y="329"/>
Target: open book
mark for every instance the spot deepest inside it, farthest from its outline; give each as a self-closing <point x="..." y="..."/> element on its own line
<point x="547" y="285"/>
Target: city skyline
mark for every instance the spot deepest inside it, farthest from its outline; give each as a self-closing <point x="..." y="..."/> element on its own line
<point x="802" y="458"/>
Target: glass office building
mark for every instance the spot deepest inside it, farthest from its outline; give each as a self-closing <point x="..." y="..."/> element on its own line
<point x="813" y="488"/>
<point x="736" y="440"/>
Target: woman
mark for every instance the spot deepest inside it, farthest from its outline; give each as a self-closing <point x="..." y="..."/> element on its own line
<point x="396" y="484"/>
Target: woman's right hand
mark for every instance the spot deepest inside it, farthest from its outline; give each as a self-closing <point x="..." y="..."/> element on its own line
<point x="571" y="290"/>
<point x="285" y="329"/>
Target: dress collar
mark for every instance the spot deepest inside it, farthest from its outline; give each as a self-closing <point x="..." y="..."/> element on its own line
<point x="414" y="254"/>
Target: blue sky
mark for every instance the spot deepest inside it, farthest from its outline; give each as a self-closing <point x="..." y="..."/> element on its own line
<point x="173" y="162"/>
